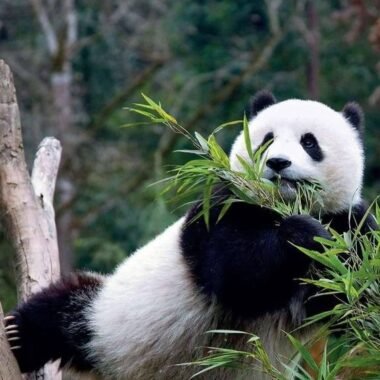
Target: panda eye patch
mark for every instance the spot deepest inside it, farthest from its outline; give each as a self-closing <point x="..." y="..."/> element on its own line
<point x="311" y="146"/>
<point x="269" y="136"/>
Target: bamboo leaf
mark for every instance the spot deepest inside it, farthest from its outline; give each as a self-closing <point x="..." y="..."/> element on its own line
<point x="202" y="142"/>
<point x="305" y="353"/>
<point x="247" y="139"/>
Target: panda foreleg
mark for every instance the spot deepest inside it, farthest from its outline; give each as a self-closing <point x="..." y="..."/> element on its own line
<point x="301" y="230"/>
<point x="53" y="325"/>
<point x="238" y="257"/>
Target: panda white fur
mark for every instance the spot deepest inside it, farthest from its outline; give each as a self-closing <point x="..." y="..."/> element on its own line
<point x="154" y="310"/>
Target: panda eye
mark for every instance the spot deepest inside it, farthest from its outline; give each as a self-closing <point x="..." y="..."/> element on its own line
<point x="308" y="141"/>
<point x="310" y="145"/>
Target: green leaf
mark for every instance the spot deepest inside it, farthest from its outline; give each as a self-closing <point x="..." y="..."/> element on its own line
<point x="217" y="153"/>
<point x="207" y="201"/>
<point x="202" y="142"/>
<point x="225" y="208"/>
<point x="247" y="139"/>
<point x="305" y="353"/>
<point x="229" y="124"/>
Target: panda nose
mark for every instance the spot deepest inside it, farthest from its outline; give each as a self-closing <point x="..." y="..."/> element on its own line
<point x="277" y="164"/>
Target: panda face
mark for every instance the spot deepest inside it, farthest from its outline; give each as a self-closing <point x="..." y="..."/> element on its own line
<point x="309" y="142"/>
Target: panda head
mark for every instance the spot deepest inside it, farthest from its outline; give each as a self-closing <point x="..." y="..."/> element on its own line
<point x="310" y="142"/>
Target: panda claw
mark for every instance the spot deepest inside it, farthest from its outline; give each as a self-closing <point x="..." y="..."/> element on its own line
<point x="10" y="332"/>
<point x="14" y="338"/>
<point x="15" y="348"/>
<point x="10" y="327"/>
<point x="9" y="317"/>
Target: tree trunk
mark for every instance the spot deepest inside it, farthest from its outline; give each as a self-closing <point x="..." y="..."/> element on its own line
<point x="61" y="83"/>
<point x="27" y="204"/>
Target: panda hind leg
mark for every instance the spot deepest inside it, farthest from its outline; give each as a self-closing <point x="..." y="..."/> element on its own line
<point x="53" y="324"/>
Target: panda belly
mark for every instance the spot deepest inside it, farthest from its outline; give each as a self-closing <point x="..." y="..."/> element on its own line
<point x="150" y="316"/>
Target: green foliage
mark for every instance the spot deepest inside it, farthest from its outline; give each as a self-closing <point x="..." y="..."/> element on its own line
<point x="256" y="359"/>
<point x="212" y="168"/>
<point x="208" y="28"/>
<point x="97" y="254"/>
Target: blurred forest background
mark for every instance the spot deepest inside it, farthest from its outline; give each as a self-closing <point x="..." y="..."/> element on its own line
<point x="78" y="63"/>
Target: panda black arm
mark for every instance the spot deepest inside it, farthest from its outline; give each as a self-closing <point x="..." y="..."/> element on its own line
<point x="346" y="220"/>
<point x="246" y="260"/>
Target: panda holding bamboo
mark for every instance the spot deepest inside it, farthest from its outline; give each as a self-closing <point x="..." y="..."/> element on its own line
<point x="241" y="273"/>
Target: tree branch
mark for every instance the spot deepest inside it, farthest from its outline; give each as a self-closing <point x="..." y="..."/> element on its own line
<point x="71" y="26"/>
<point x="120" y="98"/>
<point x="43" y="18"/>
<point x="310" y="32"/>
<point x="44" y="174"/>
<point x="45" y="169"/>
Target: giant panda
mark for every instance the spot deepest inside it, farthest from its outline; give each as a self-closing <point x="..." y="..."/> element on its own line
<point x="241" y="273"/>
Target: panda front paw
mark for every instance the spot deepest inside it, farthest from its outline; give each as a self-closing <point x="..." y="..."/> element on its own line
<point x="23" y="342"/>
<point x="301" y="230"/>
<point x="12" y="332"/>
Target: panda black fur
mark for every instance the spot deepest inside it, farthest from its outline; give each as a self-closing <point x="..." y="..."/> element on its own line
<point x="239" y="274"/>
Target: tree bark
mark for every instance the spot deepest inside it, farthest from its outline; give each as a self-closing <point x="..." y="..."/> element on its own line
<point x="44" y="174"/>
<point x="27" y="212"/>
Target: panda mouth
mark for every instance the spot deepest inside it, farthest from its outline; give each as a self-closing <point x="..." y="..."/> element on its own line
<point x="289" y="187"/>
<point x="284" y="181"/>
<point x="286" y="186"/>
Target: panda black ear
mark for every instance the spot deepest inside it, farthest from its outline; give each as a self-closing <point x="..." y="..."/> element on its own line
<point x="260" y="101"/>
<point x="355" y="116"/>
